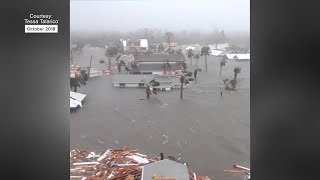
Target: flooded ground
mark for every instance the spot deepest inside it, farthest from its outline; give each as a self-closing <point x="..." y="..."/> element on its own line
<point x="207" y="131"/>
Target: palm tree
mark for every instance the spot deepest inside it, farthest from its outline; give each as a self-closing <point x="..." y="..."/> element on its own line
<point x="236" y="71"/>
<point x="166" y="65"/>
<point x="190" y="55"/>
<point x="233" y="83"/>
<point x="109" y="57"/>
<point x="118" y="57"/>
<point x="230" y="84"/>
<point x="153" y="83"/>
<point x="223" y="36"/>
<point x="197" y="57"/>
<point x="222" y="63"/>
<point x="184" y="80"/>
<point x="205" y="51"/>
<point x="111" y="52"/>
<point x="78" y="80"/>
<point x="169" y="36"/>
<point x="120" y="64"/>
<point x="160" y="48"/>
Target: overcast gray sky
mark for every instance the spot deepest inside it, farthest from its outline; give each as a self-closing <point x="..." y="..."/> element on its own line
<point x="172" y="15"/>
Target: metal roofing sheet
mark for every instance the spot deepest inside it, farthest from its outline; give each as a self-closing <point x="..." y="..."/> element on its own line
<point x="231" y="56"/>
<point x="165" y="169"/>
<point x="243" y="56"/>
<point x="216" y="52"/>
<point x="74" y="103"/>
<point x="77" y="96"/>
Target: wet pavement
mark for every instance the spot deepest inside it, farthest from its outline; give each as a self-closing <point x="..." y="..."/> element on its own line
<point x="207" y="131"/>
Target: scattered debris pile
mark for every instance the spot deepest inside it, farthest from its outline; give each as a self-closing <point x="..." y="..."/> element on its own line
<point x="108" y="70"/>
<point x="240" y="169"/>
<point x="114" y="164"/>
<point x="75" y="69"/>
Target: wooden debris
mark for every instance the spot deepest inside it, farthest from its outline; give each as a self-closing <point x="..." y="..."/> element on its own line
<point x="114" y="164"/>
<point x="239" y="169"/>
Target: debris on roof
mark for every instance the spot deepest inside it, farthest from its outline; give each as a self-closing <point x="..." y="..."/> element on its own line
<point x="120" y="164"/>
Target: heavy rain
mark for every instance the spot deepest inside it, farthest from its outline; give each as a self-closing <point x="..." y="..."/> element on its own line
<point x="204" y="122"/>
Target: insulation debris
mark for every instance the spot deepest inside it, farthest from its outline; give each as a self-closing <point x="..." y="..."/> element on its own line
<point x="119" y="164"/>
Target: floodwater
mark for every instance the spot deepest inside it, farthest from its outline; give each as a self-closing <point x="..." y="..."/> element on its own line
<point x="207" y="131"/>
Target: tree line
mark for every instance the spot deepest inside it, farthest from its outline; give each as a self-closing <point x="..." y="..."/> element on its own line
<point x="157" y="36"/>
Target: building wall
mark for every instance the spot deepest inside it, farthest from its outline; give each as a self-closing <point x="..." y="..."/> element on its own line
<point x="144" y="43"/>
<point x="131" y="85"/>
<point x="158" y="73"/>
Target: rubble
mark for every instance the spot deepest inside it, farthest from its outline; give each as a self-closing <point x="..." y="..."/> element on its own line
<point x="240" y="169"/>
<point x="114" y="164"/>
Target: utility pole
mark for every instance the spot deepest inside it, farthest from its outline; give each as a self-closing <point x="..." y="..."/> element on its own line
<point x="90" y="66"/>
<point x="181" y="87"/>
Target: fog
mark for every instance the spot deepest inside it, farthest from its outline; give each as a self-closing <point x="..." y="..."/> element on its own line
<point x="167" y="15"/>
